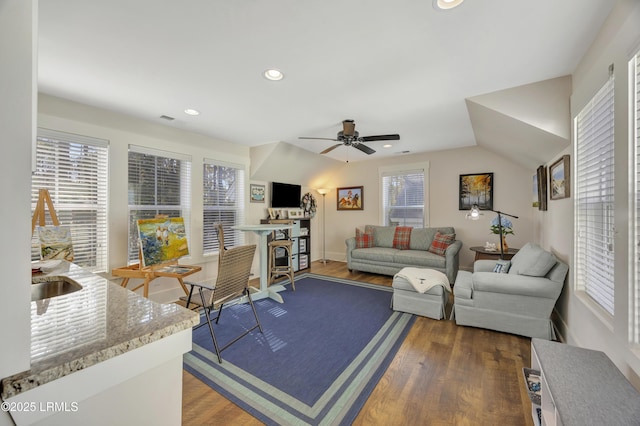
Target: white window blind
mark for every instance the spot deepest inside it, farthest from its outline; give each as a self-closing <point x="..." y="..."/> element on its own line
<point x="223" y="202"/>
<point x="403" y="198"/>
<point x="159" y="184"/>
<point x="74" y="170"/>
<point x="594" y="200"/>
<point x="634" y="89"/>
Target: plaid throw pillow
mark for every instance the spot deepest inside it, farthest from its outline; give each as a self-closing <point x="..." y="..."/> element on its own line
<point x="402" y="237"/>
<point x="364" y="239"/>
<point x="441" y="242"/>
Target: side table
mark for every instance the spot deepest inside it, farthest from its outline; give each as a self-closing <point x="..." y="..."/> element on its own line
<point x="481" y="253"/>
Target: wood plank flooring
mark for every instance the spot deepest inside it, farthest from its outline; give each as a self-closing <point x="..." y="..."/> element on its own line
<point x="443" y="374"/>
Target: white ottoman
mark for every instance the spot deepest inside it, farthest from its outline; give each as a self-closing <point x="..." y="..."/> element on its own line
<point x="430" y="304"/>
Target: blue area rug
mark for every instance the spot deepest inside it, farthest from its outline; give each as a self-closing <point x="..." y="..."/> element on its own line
<point x="320" y="356"/>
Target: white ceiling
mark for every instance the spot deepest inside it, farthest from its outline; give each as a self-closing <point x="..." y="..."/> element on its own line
<point x="392" y="66"/>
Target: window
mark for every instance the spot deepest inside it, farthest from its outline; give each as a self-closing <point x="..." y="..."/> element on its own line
<point x="159" y="184"/>
<point x="594" y="200"/>
<point x="223" y="201"/>
<point x="403" y="196"/>
<point x="634" y="87"/>
<point x="74" y="170"/>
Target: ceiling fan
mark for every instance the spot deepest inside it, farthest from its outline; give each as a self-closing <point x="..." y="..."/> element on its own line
<point x="350" y="137"/>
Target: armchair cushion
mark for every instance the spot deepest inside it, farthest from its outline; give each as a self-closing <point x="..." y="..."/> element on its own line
<point x="532" y="260"/>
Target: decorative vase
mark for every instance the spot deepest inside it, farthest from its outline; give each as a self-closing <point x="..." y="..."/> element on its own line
<point x="505" y="247"/>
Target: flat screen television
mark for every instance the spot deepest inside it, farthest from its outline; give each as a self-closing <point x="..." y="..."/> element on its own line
<point x="285" y="195"/>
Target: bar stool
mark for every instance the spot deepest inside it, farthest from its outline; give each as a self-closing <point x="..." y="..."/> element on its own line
<point x="276" y="270"/>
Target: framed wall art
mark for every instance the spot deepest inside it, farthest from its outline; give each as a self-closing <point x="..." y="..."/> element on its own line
<point x="560" y="178"/>
<point x="257" y="193"/>
<point x="535" y="201"/>
<point x="350" y="198"/>
<point x="542" y="188"/>
<point x="476" y="189"/>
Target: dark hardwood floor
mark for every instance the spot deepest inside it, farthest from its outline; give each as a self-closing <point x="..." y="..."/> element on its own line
<point x="443" y="374"/>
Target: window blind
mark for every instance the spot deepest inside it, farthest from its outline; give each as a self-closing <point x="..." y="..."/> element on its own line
<point x="634" y="89"/>
<point x="403" y="200"/>
<point x="74" y="169"/>
<point x="594" y="200"/>
<point x="223" y="202"/>
<point x="159" y="184"/>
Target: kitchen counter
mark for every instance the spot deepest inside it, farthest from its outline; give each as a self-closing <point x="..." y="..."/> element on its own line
<point x="81" y="329"/>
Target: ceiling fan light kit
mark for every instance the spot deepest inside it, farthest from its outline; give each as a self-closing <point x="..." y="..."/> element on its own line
<point x="446" y="4"/>
<point x="349" y="136"/>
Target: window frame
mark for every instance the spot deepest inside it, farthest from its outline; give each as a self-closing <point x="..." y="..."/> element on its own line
<point x="233" y="237"/>
<point x="68" y="176"/>
<point x="594" y="200"/>
<point x="184" y="206"/>
<point x="404" y="169"/>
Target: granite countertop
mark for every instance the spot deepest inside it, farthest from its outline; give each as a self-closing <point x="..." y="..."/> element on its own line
<point x="80" y="329"/>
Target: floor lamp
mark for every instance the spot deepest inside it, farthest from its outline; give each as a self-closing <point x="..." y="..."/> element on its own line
<point x="323" y="192"/>
<point x="474" y="214"/>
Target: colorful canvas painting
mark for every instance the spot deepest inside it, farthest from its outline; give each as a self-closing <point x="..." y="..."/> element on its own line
<point x="55" y="242"/>
<point x="162" y="240"/>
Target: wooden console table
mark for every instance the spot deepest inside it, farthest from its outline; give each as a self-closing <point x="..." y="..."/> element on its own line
<point x="151" y="273"/>
<point x="481" y="253"/>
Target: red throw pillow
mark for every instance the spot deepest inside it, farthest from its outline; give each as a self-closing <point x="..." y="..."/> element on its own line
<point x="364" y="239"/>
<point x="402" y="237"/>
<point x="441" y="242"/>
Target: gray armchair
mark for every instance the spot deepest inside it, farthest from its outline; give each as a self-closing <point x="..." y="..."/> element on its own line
<point x="519" y="301"/>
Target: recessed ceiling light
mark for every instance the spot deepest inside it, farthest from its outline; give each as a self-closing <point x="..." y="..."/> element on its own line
<point x="190" y="111"/>
<point x="446" y="4"/>
<point x="387" y="145"/>
<point x="273" y="74"/>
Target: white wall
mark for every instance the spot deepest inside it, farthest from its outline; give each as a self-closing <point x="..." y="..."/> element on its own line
<point x="512" y="194"/>
<point x="581" y="322"/>
<point x="17" y="85"/>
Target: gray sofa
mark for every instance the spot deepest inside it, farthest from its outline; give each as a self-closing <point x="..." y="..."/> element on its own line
<point x="383" y="259"/>
<point x="519" y="301"/>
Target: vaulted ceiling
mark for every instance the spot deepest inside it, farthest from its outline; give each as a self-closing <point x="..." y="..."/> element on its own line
<point x="490" y="72"/>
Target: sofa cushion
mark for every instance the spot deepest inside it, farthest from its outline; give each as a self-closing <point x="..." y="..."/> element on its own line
<point x="532" y="260"/>
<point x="383" y="236"/>
<point x="441" y="242"/>
<point x="363" y="239"/>
<point x="419" y="258"/>
<point x="374" y="254"/>
<point x="402" y="237"/>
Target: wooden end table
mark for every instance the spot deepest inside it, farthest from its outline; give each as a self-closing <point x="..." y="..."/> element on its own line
<point x="481" y="253"/>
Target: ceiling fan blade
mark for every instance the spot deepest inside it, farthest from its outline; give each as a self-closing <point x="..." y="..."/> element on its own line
<point x="324" y="139"/>
<point x="331" y="148"/>
<point x="348" y="127"/>
<point x="363" y="148"/>
<point x="380" y="138"/>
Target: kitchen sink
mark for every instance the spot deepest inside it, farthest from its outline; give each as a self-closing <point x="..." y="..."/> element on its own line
<point x="52" y="286"/>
